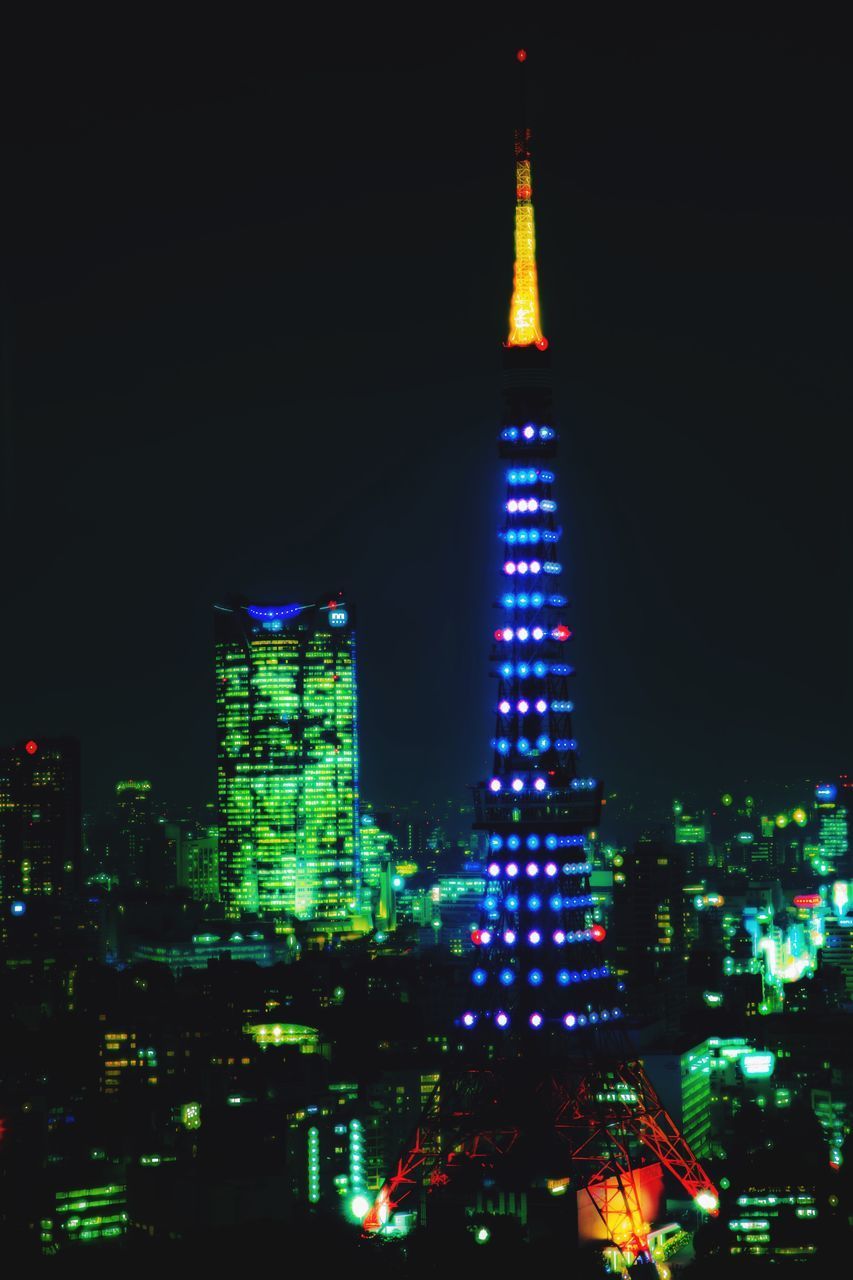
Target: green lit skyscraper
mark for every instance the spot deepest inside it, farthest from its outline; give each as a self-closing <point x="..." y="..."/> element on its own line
<point x="287" y="761"/>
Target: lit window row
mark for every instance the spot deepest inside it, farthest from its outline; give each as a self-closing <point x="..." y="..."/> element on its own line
<point x="563" y="977"/>
<point x="532" y="869"/>
<point x="533" y="842"/>
<point x="524" y="536"/>
<point x="528" y="432"/>
<point x="517" y="785"/>
<point x="536" y="1020"/>
<point x="561" y="937"/>
<point x="522" y="505"/>
<point x="523" y="706"/>
<point x="529" y="475"/>
<point x="560" y="632"/>
<point x="522" y="746"/>
<point x="525" y="669"/>
<point x="535" y="600"/>
<point x="531" y="566"/>
<point x="556" y="902"/>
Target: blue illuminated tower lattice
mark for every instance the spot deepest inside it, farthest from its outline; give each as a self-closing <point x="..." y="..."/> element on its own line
<point x="540" y="966"/>
<point x="548" y="1094"/>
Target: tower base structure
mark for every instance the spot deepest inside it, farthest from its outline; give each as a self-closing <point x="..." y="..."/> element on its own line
<point x="591" y="1131"/>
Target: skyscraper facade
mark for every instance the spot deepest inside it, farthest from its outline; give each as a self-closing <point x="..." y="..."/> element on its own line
<point x="40" y="818"/>
<point x="287" y="765"/>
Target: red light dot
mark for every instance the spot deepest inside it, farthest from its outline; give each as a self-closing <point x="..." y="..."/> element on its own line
<point x="599" y="933"/>
<point x="31" y="747"/>
<point x="522" y="55"/>
<point x="542" y="343"/>
<point x="476" y="937"/>
<point x="561" y="632"/>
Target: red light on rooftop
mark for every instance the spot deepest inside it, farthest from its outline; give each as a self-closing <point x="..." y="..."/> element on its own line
<point x="522" y="55"/>
<point x="542" y="343"/>
<point x="31" y="747"/>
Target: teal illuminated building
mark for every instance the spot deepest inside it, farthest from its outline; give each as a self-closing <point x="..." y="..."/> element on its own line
<point x="287" y="762"/>
<point x="833" y="839"/>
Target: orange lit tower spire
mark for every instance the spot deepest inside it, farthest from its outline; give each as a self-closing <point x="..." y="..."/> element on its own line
<point x="525" y="328"/>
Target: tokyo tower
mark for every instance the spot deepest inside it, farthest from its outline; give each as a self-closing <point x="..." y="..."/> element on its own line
<point x="551" y="1094"/>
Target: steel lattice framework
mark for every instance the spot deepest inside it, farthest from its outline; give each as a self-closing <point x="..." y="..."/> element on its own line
<point x="552" y="1093"/>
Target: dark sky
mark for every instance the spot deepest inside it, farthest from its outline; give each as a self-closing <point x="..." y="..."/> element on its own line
<point x="257" y="284"/>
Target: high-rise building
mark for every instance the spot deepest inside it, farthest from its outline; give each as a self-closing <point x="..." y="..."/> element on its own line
<point x="197" y="861"/>
<point x="833" y="837"/>
<point x="40" y="818"/>
<point x="288" y="761"/>
<point x="143" y="856"/>
<point x="377" y="872"/>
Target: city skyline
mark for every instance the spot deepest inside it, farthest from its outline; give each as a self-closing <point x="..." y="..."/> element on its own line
<point x="688" y="249"/>
<point x="593" y="1010"/>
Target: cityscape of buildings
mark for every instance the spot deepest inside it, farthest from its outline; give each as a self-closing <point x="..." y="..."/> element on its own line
<point x="485" y="1025"/>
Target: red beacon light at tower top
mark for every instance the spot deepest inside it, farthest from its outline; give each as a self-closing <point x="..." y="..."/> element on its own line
<point x="31" y="747"/>
<point x="521" y="55"/>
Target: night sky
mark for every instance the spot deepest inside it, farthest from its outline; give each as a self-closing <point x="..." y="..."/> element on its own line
<point x="256" y="287"/>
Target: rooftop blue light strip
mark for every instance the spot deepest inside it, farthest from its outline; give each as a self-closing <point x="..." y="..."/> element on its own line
<point x="277" y="613"/>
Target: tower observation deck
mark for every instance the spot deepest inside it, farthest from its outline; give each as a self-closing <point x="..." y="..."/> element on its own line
<point x="552" y="1095"/>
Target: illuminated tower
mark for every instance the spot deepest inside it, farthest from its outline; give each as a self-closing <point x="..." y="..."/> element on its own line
<point x="287" y="764"/>
<point x="40" y="819"/>
<point x="833" y="837"/>
<point x="551" y="1098"/>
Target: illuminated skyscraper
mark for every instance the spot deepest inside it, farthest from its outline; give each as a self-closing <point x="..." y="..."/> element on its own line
<point x="140" y="848"/>
<point x="40" y="818"/>
<point x="833" y="839"/>
<point x="287" y="761"/>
